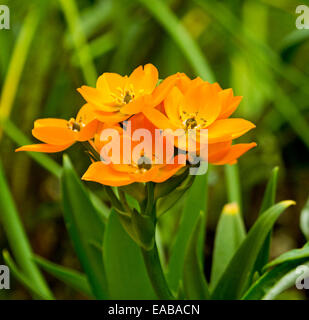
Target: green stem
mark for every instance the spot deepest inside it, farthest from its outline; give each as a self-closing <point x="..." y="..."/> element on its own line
<point x="233" y="184"/>
<point x="123" y="200"/>
<point x="150" y="199"/>
<point x="115" y="201"/>
<point x="155" y="273"/>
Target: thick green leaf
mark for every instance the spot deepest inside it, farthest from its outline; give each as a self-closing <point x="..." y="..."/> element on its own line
<point x="304" y="220"/>
<point x="268" y="201"/>
<point x="125" y="270"/>
<point x="195" y="203"/>
<point x="275" y="281"/>
<point x="236" y="277"/>
<point x="194" y="282"/>
<point x="86" y="228"/>
<point x="72" y="278"/>
<point x="229" y="235"/>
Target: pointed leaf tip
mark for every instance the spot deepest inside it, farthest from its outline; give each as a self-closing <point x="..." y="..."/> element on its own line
<point x="231" y="209"/>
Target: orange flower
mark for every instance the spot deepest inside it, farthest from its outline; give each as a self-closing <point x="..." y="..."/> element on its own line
<point x="197" y="104"/>
<point x="116" y="98"/>
<point x="143" y="169"/>
<point x="119" y="175"/>
<point x="60" y="134"/>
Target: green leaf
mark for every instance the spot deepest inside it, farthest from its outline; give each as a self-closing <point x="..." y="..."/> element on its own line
<point x="195" y="203"/>
<point x="275" y="281"/>
<point x="269" y="197"/>
<point x="18" y="240"/>
<point x="229" y="235"/>
<point x="72" y="278"/>
<point x="236" y="277"/>
<point x="101" y="207"/>
<point x="165" y="203"/>
<point x="268" y="201"/>
<point x="165" y="188"/>
<point x="135" y="190"/>
<point x="194" y="282"/>
<point x="125" y="270"/>
<point x="293" y="39"/>
<point x="291" y="255"/>
<point x="304" y="220"/>
<point x="86" y="228"/>
<point x="144" y="228"/>
<point x="23" y="279"/>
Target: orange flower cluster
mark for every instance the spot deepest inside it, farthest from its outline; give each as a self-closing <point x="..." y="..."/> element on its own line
<point x="176" y="103"/>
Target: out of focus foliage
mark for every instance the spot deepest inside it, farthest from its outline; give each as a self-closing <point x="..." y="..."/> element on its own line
<point x="53" y="47"/>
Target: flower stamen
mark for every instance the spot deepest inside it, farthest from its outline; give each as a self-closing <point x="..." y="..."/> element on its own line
<point x="74" y="126"/>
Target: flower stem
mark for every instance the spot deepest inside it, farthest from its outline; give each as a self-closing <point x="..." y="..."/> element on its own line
<point x="155" y="273"/>
<point x="113" y="198"/>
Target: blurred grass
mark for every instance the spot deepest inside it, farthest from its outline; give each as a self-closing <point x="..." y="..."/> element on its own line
<point x="17" y="62"/>
<point x="251" y="46"/>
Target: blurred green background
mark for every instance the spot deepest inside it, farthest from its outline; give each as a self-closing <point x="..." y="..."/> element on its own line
<point x="54" y="47"/>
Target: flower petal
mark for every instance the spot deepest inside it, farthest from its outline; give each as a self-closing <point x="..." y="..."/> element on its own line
<point x="172" y="105"/>
<point x="229" y="103"/>
<point x="55" y="135"/>
<point x="104" y="174"/>
<point x="97" y="98"/>
<point x="145" y="79"/>
<point x="158" y="119"/>
<point x="217" y="151"/>
<point x="163" y="89"/>
<point x="136" y="105"/>
<point x="115" y="81"/>
<point x="102" y="86"/>
<point x="47" y="148"/>
<point x="228" y="129"/>
<point x="166" y="172"/>
<point x="111" y="117"/>
<point x="202" y="98"/>
<point x="235" y="152"/>
<point x="88" y="131"/>
<point x="51" y="122"/>
<point x="53" y="131"/>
